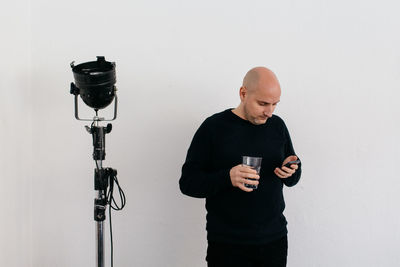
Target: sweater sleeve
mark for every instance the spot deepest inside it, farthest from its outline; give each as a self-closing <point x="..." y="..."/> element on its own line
<point x="198" y="179"/>
<point x="289" y="151"/>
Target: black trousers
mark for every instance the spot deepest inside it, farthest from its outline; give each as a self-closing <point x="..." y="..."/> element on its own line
<point x="273" y="254"/>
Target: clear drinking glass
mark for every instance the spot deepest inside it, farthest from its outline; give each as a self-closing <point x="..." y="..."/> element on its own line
<point x="255" y="164"/>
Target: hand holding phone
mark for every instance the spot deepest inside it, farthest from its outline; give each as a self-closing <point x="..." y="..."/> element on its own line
<point x="286" y="173"/>
<point x="291" y="162"/>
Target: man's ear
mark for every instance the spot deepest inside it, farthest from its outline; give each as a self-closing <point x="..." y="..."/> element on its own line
<point x="242" y="92"/>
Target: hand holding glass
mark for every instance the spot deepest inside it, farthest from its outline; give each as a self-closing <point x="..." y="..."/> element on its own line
<point x="255" y="164"/>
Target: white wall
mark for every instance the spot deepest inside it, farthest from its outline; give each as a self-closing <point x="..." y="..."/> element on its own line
<point x="177" y="63"/>
<point x="15" y="136"/>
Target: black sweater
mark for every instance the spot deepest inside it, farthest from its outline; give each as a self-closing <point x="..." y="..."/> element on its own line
<point x="235" y="216"/>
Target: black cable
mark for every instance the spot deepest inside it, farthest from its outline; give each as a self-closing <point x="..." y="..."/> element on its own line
<point x="111" y="238"/>
<point x="111" y="201"/>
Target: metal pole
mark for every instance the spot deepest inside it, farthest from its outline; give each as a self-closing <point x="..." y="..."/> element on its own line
<point x="99" y="224"/>
<point x="100" y="244"/>
<point x="100" y="230"/>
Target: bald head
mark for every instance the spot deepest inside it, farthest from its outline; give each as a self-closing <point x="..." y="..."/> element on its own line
<point x="259" y="95"/>
<point x="260" y="77"/>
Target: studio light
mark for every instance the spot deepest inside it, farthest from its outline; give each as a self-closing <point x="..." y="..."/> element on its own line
<point x="95" y="83"/>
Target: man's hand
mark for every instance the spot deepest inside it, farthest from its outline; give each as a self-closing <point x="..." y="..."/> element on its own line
<point x="285" y="172"/>
<point x="239" y="174"/>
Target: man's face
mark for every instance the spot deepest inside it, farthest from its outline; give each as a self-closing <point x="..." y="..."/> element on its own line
<point x="259" y="103"/>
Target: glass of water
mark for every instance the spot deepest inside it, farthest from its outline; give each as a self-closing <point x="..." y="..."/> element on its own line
<point x="255" y="164"/>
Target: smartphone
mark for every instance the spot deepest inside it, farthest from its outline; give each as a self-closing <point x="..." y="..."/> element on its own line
<point x="291" y="162"/>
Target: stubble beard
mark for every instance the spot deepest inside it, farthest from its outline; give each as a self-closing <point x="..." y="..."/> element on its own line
<point x="253" y="120"/>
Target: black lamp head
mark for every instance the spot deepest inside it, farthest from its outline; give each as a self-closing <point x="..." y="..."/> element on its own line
<point x="94" y="81"/>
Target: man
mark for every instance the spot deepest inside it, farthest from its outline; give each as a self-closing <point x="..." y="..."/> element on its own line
<point x="245" y="226"/>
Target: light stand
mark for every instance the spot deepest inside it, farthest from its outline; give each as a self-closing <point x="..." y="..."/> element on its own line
<point x="101" y="181"/>
<point x="95" y="84"/>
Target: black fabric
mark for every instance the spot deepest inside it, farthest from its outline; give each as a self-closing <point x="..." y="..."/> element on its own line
<point x="235" y="216"/>
<point x="273" y="254"/>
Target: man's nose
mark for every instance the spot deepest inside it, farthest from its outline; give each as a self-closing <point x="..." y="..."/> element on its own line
<point x="268" y="111"/>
